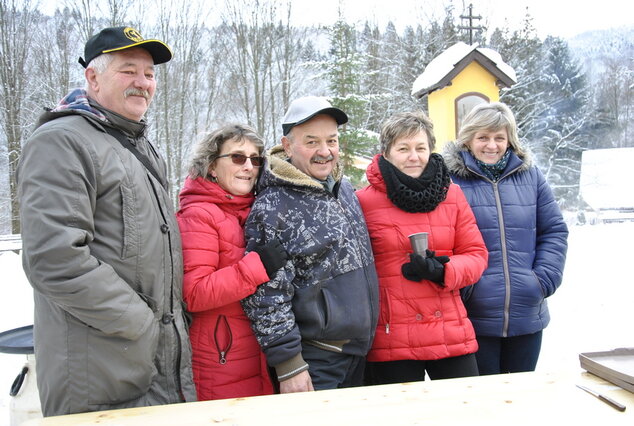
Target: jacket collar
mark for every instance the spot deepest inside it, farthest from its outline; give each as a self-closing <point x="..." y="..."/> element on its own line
<point x="461" y="162"/>
<point x="131" y="127"/>
<point x="201" y="190"/>
<point x="279" y="168"/>
<point x="77" y="102"/>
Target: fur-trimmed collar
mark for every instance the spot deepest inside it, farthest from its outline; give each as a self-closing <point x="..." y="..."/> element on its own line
<point x="278" y="167"/>
<point x="455" y="159"/>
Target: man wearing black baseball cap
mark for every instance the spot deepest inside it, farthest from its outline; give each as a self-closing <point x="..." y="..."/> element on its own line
<point x="120" y="38"/>
<point x="101" y="245"/>
<point x="316" y="318"/>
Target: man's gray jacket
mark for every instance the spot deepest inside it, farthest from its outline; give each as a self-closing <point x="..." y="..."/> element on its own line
<point x="102" y="250"/>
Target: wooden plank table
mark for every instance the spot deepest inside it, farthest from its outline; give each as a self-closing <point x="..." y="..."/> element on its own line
<point x="510" y="399"/>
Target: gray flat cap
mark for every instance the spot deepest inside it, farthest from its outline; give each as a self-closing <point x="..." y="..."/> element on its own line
<point x="303" y="109"/>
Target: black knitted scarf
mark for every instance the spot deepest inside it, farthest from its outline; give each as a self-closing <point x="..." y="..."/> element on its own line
<point x="416" y="195"/>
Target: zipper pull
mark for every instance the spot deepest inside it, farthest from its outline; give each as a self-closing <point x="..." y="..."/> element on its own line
<point x="223" y="360"/>
<point x="387" y="328"/>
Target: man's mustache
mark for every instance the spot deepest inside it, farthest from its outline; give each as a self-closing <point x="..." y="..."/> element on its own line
<point x="320" y="158"/>
<point x="137" y="92"/>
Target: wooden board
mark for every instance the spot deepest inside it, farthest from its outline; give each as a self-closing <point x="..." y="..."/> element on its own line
<point x="518" y="399"/>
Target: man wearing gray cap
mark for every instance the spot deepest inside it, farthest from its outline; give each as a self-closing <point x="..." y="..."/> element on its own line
<point x="101" y="245"/>
<point x="315" y="319"/>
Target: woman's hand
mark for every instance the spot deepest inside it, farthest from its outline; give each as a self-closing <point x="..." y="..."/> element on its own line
<point x="430" y="268"/>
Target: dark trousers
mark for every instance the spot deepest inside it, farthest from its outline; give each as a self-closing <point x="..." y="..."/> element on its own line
<point x="381" y="373"/>
<point x="332" y="370"/>
<point x="508" y="354"/>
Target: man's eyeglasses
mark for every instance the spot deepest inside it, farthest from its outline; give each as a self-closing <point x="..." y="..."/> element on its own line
<point x="240" y="159"/>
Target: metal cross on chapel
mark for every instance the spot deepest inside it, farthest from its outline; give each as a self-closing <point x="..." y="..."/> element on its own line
<point x="470" y="28"/>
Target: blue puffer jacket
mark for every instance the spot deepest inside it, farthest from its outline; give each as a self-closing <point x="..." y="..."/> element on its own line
<point x="327" y="294"/>
<point x="526" y="236"/>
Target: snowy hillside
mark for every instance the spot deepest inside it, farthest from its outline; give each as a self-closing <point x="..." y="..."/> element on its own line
<point x="590" y="312"/>
<point x="593" y="48"/>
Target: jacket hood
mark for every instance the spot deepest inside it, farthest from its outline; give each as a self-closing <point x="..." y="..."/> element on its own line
<point x="280" y="172"/>
<point x="456" y="158"/>
<point x="77" y="102"/>
<point x="373" y="173"/>
<point x="201" y="190"/>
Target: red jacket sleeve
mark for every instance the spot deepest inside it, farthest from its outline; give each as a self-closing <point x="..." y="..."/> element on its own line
<point x="205" y="285"/>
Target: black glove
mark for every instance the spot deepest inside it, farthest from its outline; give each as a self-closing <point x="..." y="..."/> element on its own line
<point x="272" y="255"/>
<point x="430" y="268"/>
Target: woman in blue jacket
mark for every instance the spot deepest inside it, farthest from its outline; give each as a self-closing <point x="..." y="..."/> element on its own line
<point x="523" y="230"/>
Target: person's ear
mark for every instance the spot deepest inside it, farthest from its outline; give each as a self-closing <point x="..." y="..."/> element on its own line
<point x="286" y="144"/>
<point x="91" y="79"/>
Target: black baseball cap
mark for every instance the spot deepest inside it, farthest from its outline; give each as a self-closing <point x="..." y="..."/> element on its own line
<point x="114" y="39"/>
<point x="303" y="109"/>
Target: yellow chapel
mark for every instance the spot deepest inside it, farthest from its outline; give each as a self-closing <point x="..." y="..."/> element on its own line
<point x="458" y="79"/>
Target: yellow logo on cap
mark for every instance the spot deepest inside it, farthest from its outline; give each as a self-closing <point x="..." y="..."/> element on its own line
<point x="133" y="34"/>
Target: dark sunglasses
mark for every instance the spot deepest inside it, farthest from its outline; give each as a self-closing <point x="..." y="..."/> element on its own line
<point x="240" y="159"/>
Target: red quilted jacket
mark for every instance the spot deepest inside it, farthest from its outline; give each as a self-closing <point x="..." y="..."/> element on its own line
<point x="419" y="320"/>
<point x="227" y="359"/>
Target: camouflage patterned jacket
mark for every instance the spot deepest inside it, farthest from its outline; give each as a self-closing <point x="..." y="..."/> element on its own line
<point x="327" y="294"/>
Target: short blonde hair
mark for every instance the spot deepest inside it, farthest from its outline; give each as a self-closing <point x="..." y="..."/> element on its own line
<point x="406" y="124"/>
<point x="492" y="116"/>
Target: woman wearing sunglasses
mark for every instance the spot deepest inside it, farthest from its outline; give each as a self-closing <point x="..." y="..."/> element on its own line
<point x="214" y="204"/>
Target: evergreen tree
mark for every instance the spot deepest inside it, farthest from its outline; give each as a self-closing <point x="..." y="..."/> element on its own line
<point x="522" y="50"/>
<point x="561" y="128"/>
<point x="343" y="71"/>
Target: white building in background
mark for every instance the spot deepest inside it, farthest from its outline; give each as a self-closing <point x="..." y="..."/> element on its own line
<point x="606" y="183"/>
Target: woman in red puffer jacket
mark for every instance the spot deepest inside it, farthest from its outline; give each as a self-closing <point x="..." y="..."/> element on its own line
<point x="214" y="204"/>
<point x="423" y="325"/>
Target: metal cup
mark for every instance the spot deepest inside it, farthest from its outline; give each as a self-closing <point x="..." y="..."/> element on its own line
<point x="419" y="242"/>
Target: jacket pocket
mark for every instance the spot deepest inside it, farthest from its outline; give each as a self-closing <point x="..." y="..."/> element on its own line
<point x="130" y="235"/>
<point x="539" y="285"/>
<point x="119" y="369"/>
<point x="385" y="310"/>
<point x="222" y="338"/>
<point x="348" y="314"/>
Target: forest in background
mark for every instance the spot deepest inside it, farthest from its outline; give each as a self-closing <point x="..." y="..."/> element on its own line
<point x="244" y="61"/>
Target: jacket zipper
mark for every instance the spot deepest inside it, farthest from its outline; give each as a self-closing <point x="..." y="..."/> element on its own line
<point x="223" y="350"/>
<point x="505" y="262"/>
<point x="388" y="306"/>
<point x="166" y="229"/>
<point x="358" y="248"/>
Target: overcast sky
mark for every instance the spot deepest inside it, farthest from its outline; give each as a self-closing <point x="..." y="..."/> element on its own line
<point x="563" y="18"/>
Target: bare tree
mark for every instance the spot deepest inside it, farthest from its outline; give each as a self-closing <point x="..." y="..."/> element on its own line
<point x="261" y="61"/>
<point x="118" y="11"/>
<point x="15" y="45"/>
<point x="616" y="96"/>
<point x="55" y="56"/>
<point x="82" y="13"/>
<point x="180" y="99"/>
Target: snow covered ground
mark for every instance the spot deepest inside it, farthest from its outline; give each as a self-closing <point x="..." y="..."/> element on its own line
<point x="590" y="312"/>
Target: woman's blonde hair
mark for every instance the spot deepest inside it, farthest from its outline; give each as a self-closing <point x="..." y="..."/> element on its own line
<point x="208" y="149"/>
<point x="492" y="116"/>
<point x="406" y="124"/>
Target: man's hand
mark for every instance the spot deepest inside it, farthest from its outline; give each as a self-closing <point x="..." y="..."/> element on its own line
<point x="299" y="383"/>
